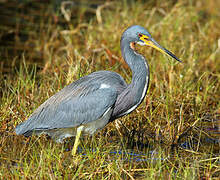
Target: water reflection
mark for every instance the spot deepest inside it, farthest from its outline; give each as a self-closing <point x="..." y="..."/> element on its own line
<point x="125" y="155"/>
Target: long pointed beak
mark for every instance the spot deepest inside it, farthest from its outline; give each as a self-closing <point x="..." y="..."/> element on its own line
<point x="151" y="42"/>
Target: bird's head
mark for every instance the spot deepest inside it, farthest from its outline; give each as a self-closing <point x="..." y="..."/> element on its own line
<point x="138" y="34"/>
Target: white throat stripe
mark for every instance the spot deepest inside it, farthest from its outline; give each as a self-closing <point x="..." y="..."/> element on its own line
<point x="142" y="96"/>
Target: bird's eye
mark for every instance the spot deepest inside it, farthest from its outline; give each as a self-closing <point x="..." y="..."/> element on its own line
<point x="140" y="35"/>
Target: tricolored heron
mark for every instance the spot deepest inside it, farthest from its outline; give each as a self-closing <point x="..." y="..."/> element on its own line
<point x="93" y="101"/>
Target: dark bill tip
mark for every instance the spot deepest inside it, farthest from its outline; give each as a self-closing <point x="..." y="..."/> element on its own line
<point x="172" y="55"/>
<point x="164" y="50"/>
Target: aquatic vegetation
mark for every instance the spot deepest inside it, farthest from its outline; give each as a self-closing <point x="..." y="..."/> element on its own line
<point x="174" y="134"/>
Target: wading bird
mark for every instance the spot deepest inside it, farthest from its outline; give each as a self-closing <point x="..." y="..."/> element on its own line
<point x="93" y="101"/>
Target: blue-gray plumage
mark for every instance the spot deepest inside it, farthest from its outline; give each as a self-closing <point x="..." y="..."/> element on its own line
<point x="97" y="99"/>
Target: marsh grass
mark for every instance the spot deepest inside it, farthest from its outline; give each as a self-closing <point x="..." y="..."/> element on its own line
<point x="174" y="132"/>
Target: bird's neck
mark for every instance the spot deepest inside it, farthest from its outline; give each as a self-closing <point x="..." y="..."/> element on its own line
<point x="135" y="92"/>
<point x="138" y="65"/>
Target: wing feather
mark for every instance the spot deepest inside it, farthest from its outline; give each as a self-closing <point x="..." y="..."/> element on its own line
<point x="78" y="103"/>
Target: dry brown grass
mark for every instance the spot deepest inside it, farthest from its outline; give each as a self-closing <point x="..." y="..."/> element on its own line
<point x="178" y="120"/>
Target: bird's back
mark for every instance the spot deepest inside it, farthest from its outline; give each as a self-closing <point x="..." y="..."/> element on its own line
<point x="81" y="102"/>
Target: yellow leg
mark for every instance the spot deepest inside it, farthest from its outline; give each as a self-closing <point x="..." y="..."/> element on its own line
<point x="76" y="143"/>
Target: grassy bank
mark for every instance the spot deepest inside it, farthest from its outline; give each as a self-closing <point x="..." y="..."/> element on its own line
<point x="174" y="132"/>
